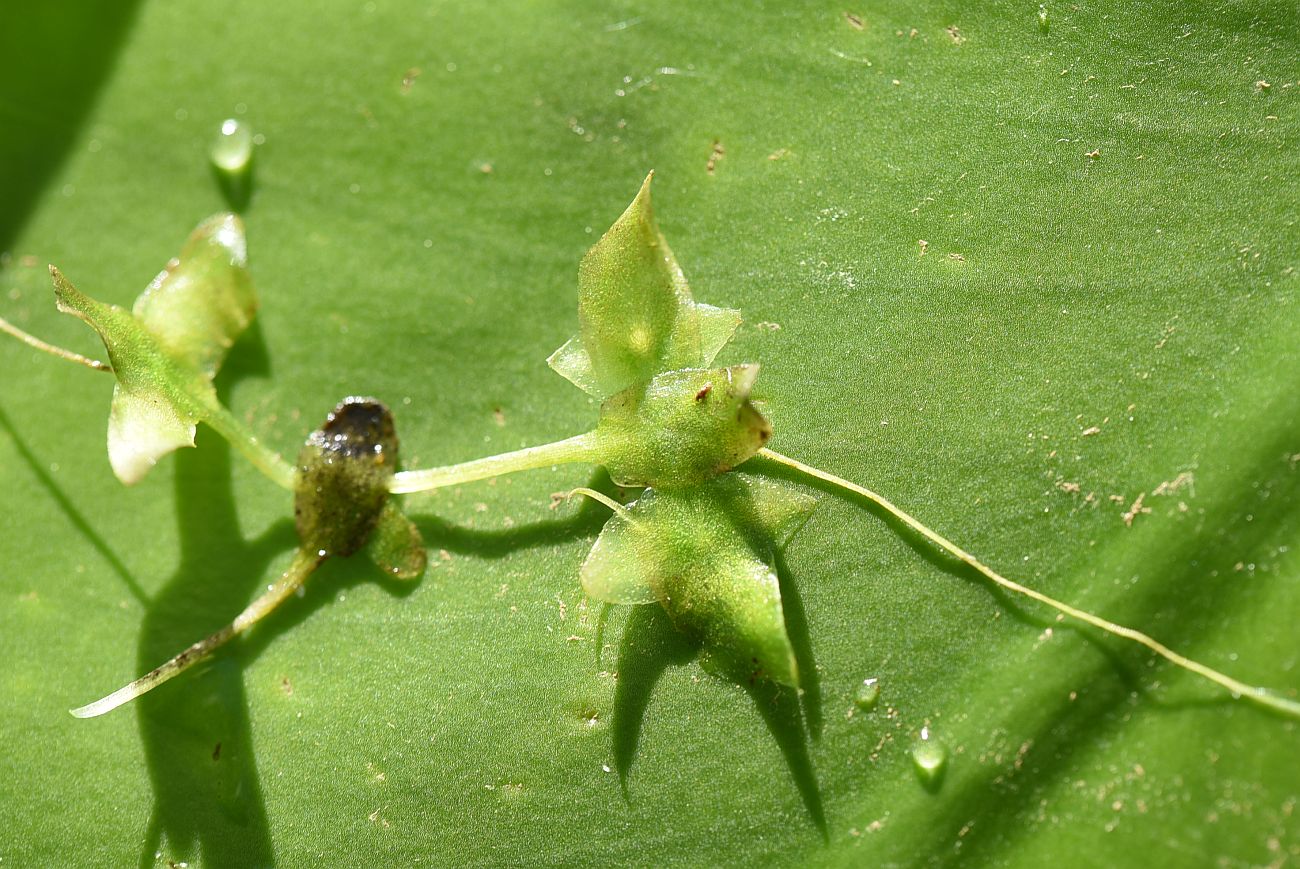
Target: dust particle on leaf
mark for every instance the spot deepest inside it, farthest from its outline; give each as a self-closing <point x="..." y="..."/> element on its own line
<point x="854" y="21"/>
<point x="1169" y="487"/>
<point x="1135" y="510"/>
<point x="715" y="154"/>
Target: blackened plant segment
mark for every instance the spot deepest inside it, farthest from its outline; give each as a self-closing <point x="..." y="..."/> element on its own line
<point x="344" y="470"/>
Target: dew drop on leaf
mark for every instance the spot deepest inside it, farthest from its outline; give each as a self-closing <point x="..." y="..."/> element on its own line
<point x="930" y="758"/>
<point x="233" y="148"/>
<point x="868" y="695"/>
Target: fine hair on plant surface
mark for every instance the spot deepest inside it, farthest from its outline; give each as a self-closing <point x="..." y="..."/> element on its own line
<point x="700" y="538"/>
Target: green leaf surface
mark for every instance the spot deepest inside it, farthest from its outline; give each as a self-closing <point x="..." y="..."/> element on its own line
<point x="1012" y="277"/>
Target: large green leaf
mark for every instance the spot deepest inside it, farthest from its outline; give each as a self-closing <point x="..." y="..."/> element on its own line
<point x="1012" y="277"/>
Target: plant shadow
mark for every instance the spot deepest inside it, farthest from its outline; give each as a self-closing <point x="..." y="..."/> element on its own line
<point x="198" y="743"/>
<point x="53" y="63"/>
<point x="651" y="644"/>
<point x="586" y="521"/>
<point x="75" y="516"/>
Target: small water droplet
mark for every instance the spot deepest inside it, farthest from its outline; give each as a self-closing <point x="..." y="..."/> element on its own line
<point x="868" y="695"/>
<point x="233" y="149"/>
<point x="1042" y="17"/>
<point x="930" y="759"/>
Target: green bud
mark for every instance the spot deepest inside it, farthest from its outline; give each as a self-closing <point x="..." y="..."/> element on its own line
<point x="681" y="428"/>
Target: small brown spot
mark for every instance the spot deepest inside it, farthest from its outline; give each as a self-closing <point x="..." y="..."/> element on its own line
<point x="1262" y="85"/>
<point x="216" y="752"/>
<point x="704" y="393"/>
<point x="716" y="154"/>
<point x="855" y="21"/>
<point x="286" y="686"/>
<point x="957" y="257"/>
<point x="955" y="35"/>
<point x="923" y="244"/>
<point x="1133" y="511"/>
<point x="499" y="417"/>
<point x="408" y="80"/>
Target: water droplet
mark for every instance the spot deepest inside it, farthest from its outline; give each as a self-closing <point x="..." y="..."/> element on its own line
<point x="930" y="759"/>
<point x="868" y="695"/>
<point x="233" y="149"/>
<point x="1042" y="17"/>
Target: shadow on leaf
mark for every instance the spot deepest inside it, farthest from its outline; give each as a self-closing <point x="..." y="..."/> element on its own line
<point x="650" y="646"/>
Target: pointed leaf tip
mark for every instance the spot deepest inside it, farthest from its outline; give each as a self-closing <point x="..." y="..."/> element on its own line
<point x="636" y="317"/>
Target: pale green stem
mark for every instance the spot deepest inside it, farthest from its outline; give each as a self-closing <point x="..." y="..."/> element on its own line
<point x="32" y="341"/>
<point x="302" y="566"/>
<point x="609" y="502"/>
<point x="265" y="459"/>
<point x="1261" y="696"/>
<point x="579" y="448"/>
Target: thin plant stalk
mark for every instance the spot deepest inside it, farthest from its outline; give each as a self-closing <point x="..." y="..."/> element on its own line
<point x="32" y="341"/>
<point x="1261" y="696"/>
<point x="302" y="566"/>
<point x="579" y="448"/>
